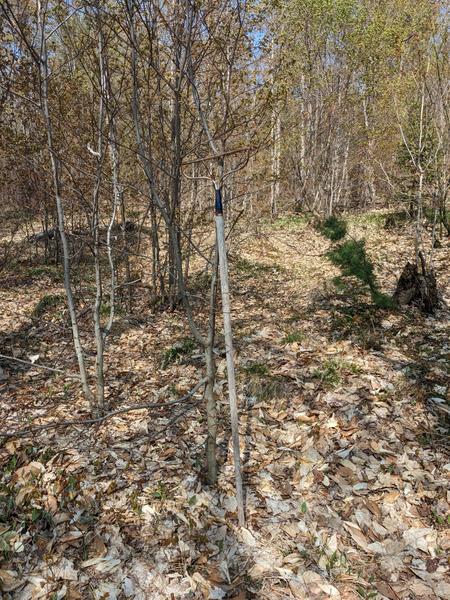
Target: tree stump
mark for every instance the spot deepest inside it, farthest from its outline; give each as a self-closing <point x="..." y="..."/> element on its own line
<point x="418" y="288"/>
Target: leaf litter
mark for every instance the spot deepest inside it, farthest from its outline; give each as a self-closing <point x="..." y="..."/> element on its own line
<point x="344" y="449"/>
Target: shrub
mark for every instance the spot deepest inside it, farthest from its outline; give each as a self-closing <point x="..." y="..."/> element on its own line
<point x="333" y="228"/>
<point x="46" y="302"/>
<point x="352" y="259"/>
<point x="182" y="348"/>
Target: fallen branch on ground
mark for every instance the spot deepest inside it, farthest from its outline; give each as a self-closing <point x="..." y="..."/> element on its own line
<point x="38" y="428"/>
<point x="34" y="364"/>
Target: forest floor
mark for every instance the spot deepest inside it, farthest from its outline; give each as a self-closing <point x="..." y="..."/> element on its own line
<point x="345" y="455"/>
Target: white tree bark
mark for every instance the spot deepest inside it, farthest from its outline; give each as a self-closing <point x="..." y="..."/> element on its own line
<point x="226" y="308"/>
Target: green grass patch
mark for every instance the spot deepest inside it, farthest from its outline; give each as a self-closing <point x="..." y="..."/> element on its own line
<point x="292" y="221"/>
<point x="374" y="219"/>
<point x="331" y="372"/>
<point x="161" y="492"/>
<point x="293" y="337"/>
<point x="181" y="349"/>
<point x="261" y="384"/>
<point x="257" y="369"/>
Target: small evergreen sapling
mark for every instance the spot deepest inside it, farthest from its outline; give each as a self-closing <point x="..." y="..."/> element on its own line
<point x="351" y="258"/>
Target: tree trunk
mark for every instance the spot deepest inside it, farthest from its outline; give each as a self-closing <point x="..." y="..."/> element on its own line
<point x="211" y="403"/>
<point x="55" y="165"/>
<point x="226" y="309"/>
<point x="417" y="286"/>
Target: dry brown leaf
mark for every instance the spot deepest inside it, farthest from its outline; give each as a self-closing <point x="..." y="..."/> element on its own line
<point x="385" y="589"/>
<point x="9" y="580"/>
<point x="357" y="535"/>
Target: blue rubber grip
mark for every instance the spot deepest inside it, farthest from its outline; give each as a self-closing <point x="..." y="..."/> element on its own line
<point x="218" y="204"/>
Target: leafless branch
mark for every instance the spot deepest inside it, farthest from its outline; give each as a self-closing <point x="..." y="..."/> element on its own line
<point x="120" y="411"/>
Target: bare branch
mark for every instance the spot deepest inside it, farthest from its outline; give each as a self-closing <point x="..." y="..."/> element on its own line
<point x="25" y="362"/>
<point x="120" y="411"/>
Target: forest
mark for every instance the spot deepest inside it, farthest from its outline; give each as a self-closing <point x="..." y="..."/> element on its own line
<point x="224" y="299"/>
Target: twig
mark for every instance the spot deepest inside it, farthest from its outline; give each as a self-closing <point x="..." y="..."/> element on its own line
<point x="26" y="362"/>
<point x="157" y="434"/>
<point x="127" y="283"/>
<point x="214" y="156"/>
<point x="113" y="413"/>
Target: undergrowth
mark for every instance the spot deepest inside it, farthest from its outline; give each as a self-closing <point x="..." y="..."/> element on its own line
<point x="332" y="371"/>
<point x="291" y="221"/>
<point x="262" y="384"/>
<point x="178" y="350"/>
<point x="253" y="269"/>
<point x="51" y="271"/>
<point x="333" y="228"/>
<point x="351" y="258"/>
<point x="46" y="303"/>
<point x="293" y="337"/>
